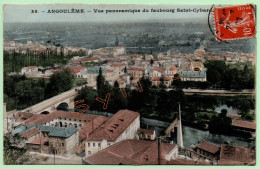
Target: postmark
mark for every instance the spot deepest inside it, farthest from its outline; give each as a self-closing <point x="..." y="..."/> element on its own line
<point x="234" y="22"/>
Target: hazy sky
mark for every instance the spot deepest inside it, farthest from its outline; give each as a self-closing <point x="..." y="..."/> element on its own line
<point x="22" y="13"/>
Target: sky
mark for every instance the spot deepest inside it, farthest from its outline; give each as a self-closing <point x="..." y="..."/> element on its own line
<point x="22" y="13"/>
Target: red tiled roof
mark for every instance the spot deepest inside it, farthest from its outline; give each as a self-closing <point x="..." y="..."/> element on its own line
<point x="55" y="71"/>
<point x="244" y="124"/>
<point x="62" y="114"/>
<point x="135" y="56"/>
<point x="131" y="152"/>
<point x="181" y="161"/>
<point x="34" y="117"/>
<point x="109" y="71"/>
<point x="30" y="133"/>
<point x="233" y="155"/>
<point x="114" y="126"/>
<point x="39" y="141"/>
<point x="136" y="69"/>
<point x="213" y="58"/>
<point x="159" y="69"/>
<point x="82" y="60"/>
<point x="227" y="56"/>
<point x="76" y="69"/>
<point x="22" y="116"/>
<point x="91" y="127"/>
<point x="118" y="65"/>
<point x="145" y="131"/>
<point x="209" y="147"/>
<point x="116" y="60"/>
<point x="30" y="67"/>
<point x="233" y="116"/>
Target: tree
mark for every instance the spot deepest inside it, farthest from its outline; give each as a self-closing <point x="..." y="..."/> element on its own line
<point x="59" y="83"/>
<point x="151" y="62"/>
<point x="116" y="85"/>
<point x="116" y="42"/>
<point x="125" y="70"/>
<point x="100" y="80"/>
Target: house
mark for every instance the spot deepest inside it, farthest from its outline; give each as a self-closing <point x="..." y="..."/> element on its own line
<point x="121" y="126"/>
<point x="234" y="155"/>
<point x="86" y="60"/>
<point x="243" y="58"/>
<point x="146" y="134"/>
<point x="197" y="76"/>
<point x="207" y="150"/>
<point x="62" y="119"/>
<point x="243" y="125"/>
<point x="136" y="72"/>
<point x="158" y="71"/>
<point x="92" y="74"/>
<point x="252" y="59"/>
<point x="119" y="67"/>
<point x="171" y="71"/>
<point x="134" y="152"/>
<point x="228" y="58"/>
<point x="148" y="57"/>
<point x="47" y="139"/>
<point x="77" y="70"/>
<point x="136" y="57"/>
<point x="29" y="70"/>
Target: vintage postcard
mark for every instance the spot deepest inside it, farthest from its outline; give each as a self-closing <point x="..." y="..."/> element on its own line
<point x="129" y="84"/>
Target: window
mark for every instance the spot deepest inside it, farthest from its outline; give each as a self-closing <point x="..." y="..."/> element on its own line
<point x="89" y="152"/>
<point x="74" y="119"/>
<point x="99" y="144"/>
<point x="62" y="144"/>
<point x="108" y="144"/>
<point x="88" y="144"/>
<point x="94" y="144"/>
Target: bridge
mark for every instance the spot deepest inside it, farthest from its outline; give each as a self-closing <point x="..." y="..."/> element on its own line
<point x="50" y="105"/>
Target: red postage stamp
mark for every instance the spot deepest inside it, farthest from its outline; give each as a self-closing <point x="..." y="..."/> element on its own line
<point x="234" y="22"/>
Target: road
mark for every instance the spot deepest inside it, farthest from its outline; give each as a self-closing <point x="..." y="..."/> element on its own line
<point x="217" y="92"/>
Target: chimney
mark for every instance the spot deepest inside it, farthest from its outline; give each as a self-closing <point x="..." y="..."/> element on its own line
<point x="179" y="130"/>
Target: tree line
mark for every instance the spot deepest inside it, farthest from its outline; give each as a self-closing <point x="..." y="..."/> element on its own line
<point x="15" y="61"/>
<point x="21" y="92"/>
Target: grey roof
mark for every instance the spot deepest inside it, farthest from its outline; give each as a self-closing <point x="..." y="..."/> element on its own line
<point x="19" y="130"/>
<point x="95" y="70"/>
<point x="53" y="131"/>
<point x="194" y="74"/>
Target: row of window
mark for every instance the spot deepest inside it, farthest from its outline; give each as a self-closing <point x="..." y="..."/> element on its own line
<point x="99" y="145"/>
<point x="74" y="119"/>
<point x="94" y="144"/>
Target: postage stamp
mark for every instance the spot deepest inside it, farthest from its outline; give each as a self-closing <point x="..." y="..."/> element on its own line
<point x="234" y="22"/>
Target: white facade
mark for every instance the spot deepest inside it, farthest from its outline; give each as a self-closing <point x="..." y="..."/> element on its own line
<point x="71" y="142"/>
<point x="92" y="147"/>
<point x="28" y="70"/>
<point x="173" y="154"/>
